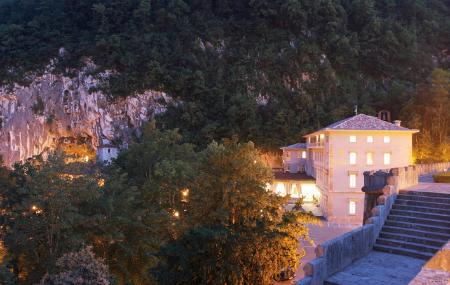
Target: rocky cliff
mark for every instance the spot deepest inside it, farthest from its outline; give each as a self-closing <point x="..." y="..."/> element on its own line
<point x="53" y="108"/>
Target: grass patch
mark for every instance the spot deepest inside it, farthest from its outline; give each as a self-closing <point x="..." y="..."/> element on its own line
<point x="442" y="177"/>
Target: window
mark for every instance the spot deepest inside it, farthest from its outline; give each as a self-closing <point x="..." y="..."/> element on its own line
<point x="352" y="158"/>
<point x="387" y="158"/>
<point x="352" y="139"/>
<point x="304" y="154"/>
<point x="369" y="158"/>
<point x="352" y="180"/>
<point x="387" y="139"/>
<point x="370" y="139"/>
<point x="288" y="154"/>
<point x="352" y="207"/>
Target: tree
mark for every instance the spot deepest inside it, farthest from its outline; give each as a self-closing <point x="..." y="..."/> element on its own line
<point x="266" y="71"/>
<point x="47" y="208"/>
<point x="79" y="268"/>
<point x="143" y="200"/>
<point x="427" y="111"/>
<point x="239" y="232"/>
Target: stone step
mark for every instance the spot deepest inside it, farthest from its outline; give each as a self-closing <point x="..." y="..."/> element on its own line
<point x="403" y="251"/>
<point x="408" y="245"/>
<point x="413" y="231"/>
<point x="418" y="226"/>
<point x="421" y="204"/>
<point x="422" y="209"/>
<point x="411" y="238"/>
<point x="415" y="220"/>
<point x="423" y="198"/>
<point x="425" y="193"/>
<point x="420" y="215"/>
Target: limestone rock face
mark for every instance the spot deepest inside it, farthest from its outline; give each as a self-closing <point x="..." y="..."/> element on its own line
<point x="36" y="118"/>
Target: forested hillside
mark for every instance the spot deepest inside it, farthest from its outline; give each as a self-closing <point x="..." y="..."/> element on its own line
<point x="267" y="71"/>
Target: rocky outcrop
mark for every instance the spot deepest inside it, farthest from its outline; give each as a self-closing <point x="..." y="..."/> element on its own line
<point x="35" y="118"/>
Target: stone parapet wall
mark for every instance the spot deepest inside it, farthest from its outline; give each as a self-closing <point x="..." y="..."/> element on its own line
<point x="437" y="270"/>
<point x="336" y="254"/>
<point x="409" y="176"/>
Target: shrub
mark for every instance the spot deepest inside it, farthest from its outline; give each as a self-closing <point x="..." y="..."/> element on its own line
<point x="443" y="177"/>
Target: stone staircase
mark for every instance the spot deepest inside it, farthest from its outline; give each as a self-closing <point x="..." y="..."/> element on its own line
<point x="418" y="225"/>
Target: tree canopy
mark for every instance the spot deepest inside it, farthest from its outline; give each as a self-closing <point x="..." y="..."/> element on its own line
<point x="146" y="213"/>
<point x="266" y="71"/>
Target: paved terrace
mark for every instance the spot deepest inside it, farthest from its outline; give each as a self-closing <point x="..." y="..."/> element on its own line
<point x="379" y="268"/>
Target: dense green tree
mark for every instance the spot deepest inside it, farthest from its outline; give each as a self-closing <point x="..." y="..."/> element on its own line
<point x="45" y="212"/>
<point x="428" y="111"/>
<point x="239" y="233"/>
<point x="306" y="62"/>
<point x="155" y="170"/>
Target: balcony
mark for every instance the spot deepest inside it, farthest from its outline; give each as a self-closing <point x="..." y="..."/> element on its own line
<point x="315" y="145"/>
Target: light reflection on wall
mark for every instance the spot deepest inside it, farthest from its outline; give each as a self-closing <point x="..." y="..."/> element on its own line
<point x="294" y="191"/>
<point x="309" y="192"/>
<point x="280" y="189"/>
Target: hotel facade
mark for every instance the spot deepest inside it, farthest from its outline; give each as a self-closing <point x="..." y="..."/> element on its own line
<point x="336" y="158"/>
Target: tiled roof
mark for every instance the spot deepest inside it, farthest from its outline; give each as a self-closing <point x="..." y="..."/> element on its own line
<point x="364" y="122"/>
<point x="297" y="145"/>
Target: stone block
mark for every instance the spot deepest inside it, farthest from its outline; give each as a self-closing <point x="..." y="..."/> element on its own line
<point x="381" y="200"/>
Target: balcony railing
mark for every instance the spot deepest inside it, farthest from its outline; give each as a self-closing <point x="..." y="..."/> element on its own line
<point x="315" y="144"/>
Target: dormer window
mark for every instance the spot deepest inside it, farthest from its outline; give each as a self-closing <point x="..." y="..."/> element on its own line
<point x="352" y="139"/>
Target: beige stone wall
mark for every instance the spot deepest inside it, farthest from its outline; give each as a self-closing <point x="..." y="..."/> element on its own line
<point x="340" y="192"/>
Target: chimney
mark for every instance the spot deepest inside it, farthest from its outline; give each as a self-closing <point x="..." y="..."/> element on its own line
<point x="398" y="123"/>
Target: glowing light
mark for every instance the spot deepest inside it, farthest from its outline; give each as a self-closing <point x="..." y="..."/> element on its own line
<point x="352" y="180"/>
<point x="280" y="189"/>
<point x="36" y="209"/>
<point x="352" y="207"/>
<point x="294" y="191"/>
<point x="387" y="158"/>
<point x="303" y="154"/>
<point x="176" y="214"/>
<point x="352" y="158"/>
<point x="309" y="191"/>
<point x="86" y="158"/>
<point x="184" y="195"/>
<point x="369" y="158"/>
<point x="101" y="182"/>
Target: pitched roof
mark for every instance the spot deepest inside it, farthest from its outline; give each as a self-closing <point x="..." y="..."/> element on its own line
<point x="364" y="122"/>
<point x="296" y="146"/>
